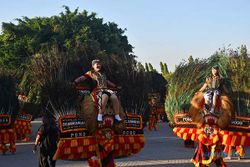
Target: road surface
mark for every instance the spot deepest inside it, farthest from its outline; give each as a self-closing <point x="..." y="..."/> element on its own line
<point x="162" y="149"/>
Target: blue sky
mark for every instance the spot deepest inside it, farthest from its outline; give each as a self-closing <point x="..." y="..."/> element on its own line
<point x="159" y="30"/>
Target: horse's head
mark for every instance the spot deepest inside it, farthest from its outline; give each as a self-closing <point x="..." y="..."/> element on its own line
<point x="200" y="115"/>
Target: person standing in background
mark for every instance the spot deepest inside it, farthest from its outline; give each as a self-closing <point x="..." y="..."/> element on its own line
<point x="47" y="138"/>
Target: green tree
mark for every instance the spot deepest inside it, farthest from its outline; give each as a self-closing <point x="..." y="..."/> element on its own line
<point x="78" y="36"/>
<point x="190" y="59"/>
<point x="147" y="67"/>
<point x="239" y="72"/>
<point x="50" y="52"/>
<point x="150" y="67"/>
<point x="8" y="99"/>
<point x="140" y="67"/>
<point x="164" y="70"/>
<point x="73" y="32"/>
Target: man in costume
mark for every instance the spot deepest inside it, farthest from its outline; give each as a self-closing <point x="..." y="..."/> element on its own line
<point x="153" y="117"/>
<point x="102" y="91"/>
<point x="47" y="137"/>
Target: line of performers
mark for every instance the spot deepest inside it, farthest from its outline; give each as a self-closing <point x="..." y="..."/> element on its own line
<point x="212" y="123"/>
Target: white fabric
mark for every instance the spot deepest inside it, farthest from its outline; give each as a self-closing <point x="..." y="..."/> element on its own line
<point x="208" y="95"/>
<point x="99" y="97"/>
<point x="117" y="117"/>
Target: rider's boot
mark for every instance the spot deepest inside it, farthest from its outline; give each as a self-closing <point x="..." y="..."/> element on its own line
<point x="118" y="118"/>
<point x="99" y="120"/>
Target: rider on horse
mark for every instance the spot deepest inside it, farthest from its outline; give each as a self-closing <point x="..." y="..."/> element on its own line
<point x="102" y="91"/>
<point x="214" y="85"/>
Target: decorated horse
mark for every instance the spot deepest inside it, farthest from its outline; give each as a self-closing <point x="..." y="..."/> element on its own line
<point x="212" y="130"/>
<point x="82" y="137"/>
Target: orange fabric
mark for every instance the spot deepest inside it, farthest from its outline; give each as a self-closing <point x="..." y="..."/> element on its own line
<point x="128" y="145"/>
<point x="153" y="118"/>
<point x="152" y="123"/>
<point x="240" y="151"/>
<point x="22" y="128"/>
<point x="7" y="136"/>
<point x="206" y="155"/>
<point x="224" y="137"/>
<point x="75" y="148"/>
<point x="85" y="147"/>
<point x="93" y="163"/>
<point x="105" y="147"/>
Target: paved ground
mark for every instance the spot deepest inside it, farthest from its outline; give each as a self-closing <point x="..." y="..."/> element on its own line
<point x="161" y="149"/>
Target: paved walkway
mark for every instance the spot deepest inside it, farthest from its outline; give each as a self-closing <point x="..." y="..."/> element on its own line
<point x="161" y="149"/>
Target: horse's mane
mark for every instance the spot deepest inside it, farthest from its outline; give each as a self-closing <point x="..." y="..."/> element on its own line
<point x="197" y="115"/>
